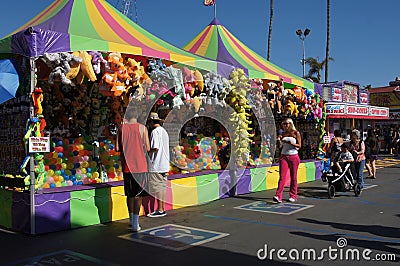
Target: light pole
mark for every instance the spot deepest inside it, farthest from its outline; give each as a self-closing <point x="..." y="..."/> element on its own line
<point x="302" y="35"/>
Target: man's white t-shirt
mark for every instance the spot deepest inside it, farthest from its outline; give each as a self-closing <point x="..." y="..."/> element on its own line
<point x="159" y="139"/>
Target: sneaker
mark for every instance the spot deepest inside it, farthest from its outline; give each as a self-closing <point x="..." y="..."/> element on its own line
<point x="157" y="214"/>
<point x="135" y="229"/>
<point x="292" y="199"/>
<point x="276" y="199"/>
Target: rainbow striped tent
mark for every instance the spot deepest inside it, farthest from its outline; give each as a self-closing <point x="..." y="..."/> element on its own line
<point x="217" y="43"/>
<point x="73" y="25"/>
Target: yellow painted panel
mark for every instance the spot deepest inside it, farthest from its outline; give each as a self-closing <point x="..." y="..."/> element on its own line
<point x="302" y="174"/>
<point x="184" y="191"/>
<point x="273" y="177"/>
<point x="119" y="210"/>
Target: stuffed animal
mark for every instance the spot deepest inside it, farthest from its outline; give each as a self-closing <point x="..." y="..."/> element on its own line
<point x="271" y="94"/>
<point x="291" y="108"/>
<point x="60" y="65"/>
<point x="97" y="61"/>
<point x="37" y="97"/>
<point x="86" y="68"/>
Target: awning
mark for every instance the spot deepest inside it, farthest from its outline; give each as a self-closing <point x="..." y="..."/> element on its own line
<point x="342" y="110"/>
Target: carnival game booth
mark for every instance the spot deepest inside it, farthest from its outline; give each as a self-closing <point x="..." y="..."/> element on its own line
<point x="287" y="94"/>
<point x="76" y="81"/>
<point x="348" y="107"/>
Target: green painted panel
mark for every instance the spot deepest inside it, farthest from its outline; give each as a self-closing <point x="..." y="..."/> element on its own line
<point x="6" y="197"/>
<point x="207" y="188"/>
<point x="258" y="179"/>
<point x="90" y="207"/>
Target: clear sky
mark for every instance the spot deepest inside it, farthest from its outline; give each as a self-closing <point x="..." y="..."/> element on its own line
<point x="364" y="33"/>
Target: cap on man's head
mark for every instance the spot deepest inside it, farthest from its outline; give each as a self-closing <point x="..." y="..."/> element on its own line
<point x="154" y="117"/>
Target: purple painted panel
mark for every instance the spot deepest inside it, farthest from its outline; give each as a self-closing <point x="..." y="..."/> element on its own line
<point x="52" y="212"/>
<point x="244" y="181"/>
<point x="226" y="184"/>
<point x="21" y="212"/>
<point x="318" y="170"/>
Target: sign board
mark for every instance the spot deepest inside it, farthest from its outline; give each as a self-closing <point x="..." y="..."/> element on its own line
<point x="327" y="139"/>
<point x="337" y="95"/>
<point x="357" y="110"/>
<point x="335" y="109"/>
<point x="350" y="93"/>
<point x="39" y="144"/>
<point x="363" y="98"/>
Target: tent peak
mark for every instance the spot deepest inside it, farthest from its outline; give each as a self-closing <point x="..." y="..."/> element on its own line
<point x="215" y="21"/>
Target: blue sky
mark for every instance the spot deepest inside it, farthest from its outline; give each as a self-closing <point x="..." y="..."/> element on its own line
<point x="364" y="34"/>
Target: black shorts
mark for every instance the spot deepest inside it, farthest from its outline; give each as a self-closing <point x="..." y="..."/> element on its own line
<point x="135" y="184"/>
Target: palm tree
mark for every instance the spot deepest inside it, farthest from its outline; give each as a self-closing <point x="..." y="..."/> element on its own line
<point x="271" y="15"/>
<point x="316" y="67"/>
<point x="328" y="37"/>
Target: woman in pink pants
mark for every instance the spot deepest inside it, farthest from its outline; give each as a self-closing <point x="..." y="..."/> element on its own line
<point x="289" y="161"/>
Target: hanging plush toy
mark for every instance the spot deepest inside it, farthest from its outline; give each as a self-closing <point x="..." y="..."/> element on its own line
<point x="97" y="61"/>
<point x="60" y="65"/>
<point x="37" y="97"/>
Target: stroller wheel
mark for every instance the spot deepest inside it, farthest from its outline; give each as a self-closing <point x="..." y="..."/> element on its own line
<point x="357" y="190"/>
<point x="331" y="191"/>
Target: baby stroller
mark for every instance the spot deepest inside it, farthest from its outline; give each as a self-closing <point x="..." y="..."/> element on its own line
<point x="341" y="181"/>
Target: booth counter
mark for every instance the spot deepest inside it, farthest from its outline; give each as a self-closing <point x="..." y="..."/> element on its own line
<point x="78" y="206"/>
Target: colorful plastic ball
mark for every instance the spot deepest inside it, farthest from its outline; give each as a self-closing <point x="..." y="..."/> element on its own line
<point x="53" y="185"/>
<point x="46" y="185"/>
<point x="95" y="175"/>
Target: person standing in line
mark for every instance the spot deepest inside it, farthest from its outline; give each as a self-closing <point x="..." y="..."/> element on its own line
<point x="289" y="160"/>
<point x="393" y="137"/>
<point x="371" y="153"/>
<point x="357" y="147"/>
<point x="132" y="143"/>
<point x="160" y="163"/>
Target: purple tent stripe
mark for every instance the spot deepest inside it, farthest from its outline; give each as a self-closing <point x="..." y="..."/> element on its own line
<point x="225" y="56"/>
<point x="60" y="22"/>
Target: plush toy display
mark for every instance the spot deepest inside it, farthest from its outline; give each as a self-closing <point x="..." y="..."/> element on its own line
<point x="60" y="65"/>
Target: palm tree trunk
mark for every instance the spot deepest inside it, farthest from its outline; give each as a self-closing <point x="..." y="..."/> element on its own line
<point x="271" y="16"/>
<point x="328" y="38"/>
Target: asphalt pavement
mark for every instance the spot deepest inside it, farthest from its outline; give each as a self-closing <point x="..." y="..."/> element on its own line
<point x="243" y="230"/>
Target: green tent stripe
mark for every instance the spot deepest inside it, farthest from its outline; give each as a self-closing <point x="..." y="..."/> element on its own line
<point x="80" y="20"/>
<point x="79" y="43"/>
<point x="212" y="51"/>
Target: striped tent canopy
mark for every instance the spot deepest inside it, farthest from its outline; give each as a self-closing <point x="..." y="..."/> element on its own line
<point x="74" y="25"/>
<point x="217" y="43"/>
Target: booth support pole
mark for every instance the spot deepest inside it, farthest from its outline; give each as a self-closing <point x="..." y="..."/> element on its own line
<point x="32" y="162"/>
